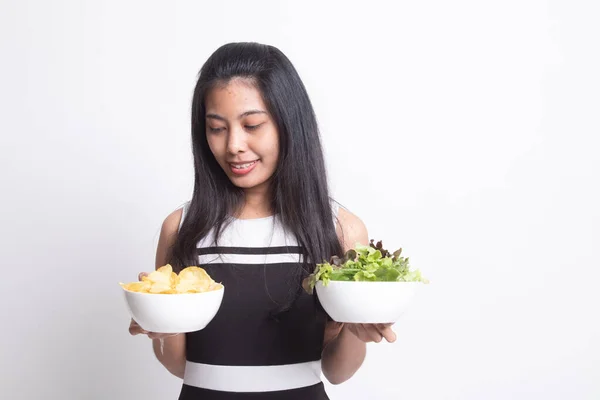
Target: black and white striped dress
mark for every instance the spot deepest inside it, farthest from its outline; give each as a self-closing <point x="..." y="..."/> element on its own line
<point x="245" y="353"/>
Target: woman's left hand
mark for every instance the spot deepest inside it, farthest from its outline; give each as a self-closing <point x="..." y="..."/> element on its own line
<point x="372" y="332"/>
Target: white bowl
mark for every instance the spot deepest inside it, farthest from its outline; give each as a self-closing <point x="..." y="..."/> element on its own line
<point x="366" y="302"/>
<point x="173" y="313"/>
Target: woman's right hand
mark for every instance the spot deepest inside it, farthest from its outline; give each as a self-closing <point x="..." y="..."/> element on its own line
<point x="136" y="329"/>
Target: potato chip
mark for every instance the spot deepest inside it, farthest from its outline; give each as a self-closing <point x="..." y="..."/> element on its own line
<point x="137" y="286"/>
<point x="194" y="274"/>
<point x="162" y="275"/>
<point x="194" y="279"/>
<point x="164" y="280"/>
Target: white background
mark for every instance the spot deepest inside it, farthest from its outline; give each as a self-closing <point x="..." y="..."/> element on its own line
<point x="465" y="132"/>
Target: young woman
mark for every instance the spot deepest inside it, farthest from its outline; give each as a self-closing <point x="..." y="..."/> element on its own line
<point x="259" y="219"/>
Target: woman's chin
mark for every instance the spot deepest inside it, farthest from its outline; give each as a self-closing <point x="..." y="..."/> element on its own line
<point x="248" y="184"/>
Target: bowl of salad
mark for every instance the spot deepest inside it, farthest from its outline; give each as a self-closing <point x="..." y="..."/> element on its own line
<point x="368" y="285"/>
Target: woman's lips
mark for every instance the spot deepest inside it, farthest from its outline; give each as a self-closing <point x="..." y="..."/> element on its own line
<point x="242" y="168"/>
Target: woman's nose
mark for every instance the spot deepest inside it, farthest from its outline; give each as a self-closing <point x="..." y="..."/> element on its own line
<point x="236" y="141"/>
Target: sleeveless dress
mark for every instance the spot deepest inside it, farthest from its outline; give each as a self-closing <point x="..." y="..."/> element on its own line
<point x="245" y="352"/>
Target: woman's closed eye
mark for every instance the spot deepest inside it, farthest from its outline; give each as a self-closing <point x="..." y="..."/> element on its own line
<point x="253" y="127"/>
<point x="247" y="127"/>
<point x="215" y="130"/>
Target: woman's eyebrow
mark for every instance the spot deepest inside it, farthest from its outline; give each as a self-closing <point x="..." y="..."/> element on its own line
<point x="251" y="112"/>
<point x="215" y="116"/>
<point x="245" y="114"/>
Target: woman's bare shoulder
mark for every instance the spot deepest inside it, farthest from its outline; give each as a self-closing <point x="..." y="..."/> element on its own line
<point x="171" y="223"/>
<point x="351" y="229"/>
<point x="168" y="236"/>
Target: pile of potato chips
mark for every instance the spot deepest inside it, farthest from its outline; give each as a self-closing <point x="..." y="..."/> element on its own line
<point x="165" y="281"/>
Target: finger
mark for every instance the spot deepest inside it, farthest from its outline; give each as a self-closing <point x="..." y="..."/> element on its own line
<point x="136" y="330"/>
<point x="141" y="275"/>
<point x="372" y="333"/>
<point x="387" y="332"/>
<point x="358" y="331"/>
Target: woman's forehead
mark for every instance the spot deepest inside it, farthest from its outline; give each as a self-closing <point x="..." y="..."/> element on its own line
<point x="234" y="98"/>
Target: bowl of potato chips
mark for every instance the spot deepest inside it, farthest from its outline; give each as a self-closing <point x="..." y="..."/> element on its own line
<point x="167" y="302"/>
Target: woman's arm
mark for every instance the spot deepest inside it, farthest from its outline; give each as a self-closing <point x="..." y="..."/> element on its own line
<point x="343" y="351"/>
<point x="170" y="351"/>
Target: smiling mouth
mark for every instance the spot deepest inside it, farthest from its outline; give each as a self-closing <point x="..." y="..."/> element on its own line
<point x="243" y="166"/>
<point x="241" y="169"/>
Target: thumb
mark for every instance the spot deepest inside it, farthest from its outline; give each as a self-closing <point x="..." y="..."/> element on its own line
<point x="135" y="329"/>
<point x="386" y="331"/>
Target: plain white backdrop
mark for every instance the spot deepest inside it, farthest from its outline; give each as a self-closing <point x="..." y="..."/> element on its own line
<point x="465" y="132"/>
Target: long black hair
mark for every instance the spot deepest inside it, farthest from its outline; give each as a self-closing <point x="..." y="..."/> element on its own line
<point x="299" y="187"/>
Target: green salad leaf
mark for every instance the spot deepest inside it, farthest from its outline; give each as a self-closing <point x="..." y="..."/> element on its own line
<point x="365" y="263"/>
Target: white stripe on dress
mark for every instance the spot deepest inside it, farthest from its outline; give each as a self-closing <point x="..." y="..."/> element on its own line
<point x="252" y="378"/>
<point x="249" y="258"/>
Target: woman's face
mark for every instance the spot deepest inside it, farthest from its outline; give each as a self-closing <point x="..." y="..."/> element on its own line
<point x="241" y="134"/>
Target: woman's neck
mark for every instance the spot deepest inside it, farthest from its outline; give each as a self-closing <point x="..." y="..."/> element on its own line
<point x="257" y="204"/>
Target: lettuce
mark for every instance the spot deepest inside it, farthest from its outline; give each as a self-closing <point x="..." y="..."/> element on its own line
<point x="365" y="264"/>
